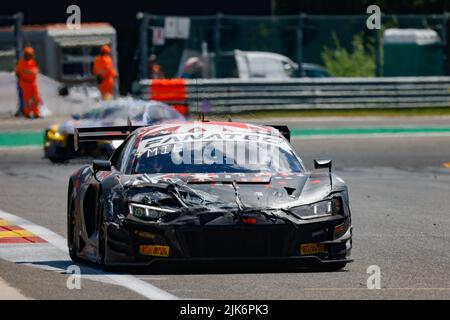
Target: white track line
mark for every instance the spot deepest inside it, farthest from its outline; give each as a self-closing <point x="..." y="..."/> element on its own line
<point x="127" y="281"/>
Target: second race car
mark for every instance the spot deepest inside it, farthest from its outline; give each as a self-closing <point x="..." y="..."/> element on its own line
<point x="58" y="139"/>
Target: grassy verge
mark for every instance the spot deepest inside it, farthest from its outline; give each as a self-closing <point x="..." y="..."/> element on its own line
<point x="21" y="139"/>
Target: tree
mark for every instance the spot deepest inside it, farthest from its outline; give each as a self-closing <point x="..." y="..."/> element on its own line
<point x="359" y="62"/>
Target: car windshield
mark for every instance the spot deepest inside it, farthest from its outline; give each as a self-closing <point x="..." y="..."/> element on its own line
<point x="217" y="156"/>
<point x="146" y="113"/>
<point x="92" y="114"/>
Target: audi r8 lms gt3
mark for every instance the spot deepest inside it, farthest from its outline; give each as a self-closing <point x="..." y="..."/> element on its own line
<point x="206" y="191"/>
<point x="58" y="139"/>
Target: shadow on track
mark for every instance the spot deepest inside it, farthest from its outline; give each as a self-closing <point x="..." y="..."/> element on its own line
<point x="184" y="268"/>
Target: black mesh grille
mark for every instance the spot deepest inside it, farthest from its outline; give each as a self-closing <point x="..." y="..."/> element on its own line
<point x="237" y="242"/>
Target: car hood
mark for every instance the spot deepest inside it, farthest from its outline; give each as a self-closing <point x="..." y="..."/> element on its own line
<point x="259" y="191"/>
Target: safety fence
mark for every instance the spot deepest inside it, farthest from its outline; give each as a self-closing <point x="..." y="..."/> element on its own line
<point x="10" y="52"/>
<point x="235" y="95"/>
<point x="301" y="37"/>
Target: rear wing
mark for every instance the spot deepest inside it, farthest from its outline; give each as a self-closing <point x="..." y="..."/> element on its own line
<point x="102" y="134"/>
<point x="122" y="132"/>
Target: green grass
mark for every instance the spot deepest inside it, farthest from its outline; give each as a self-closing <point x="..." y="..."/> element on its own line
<point x="21" y="139"/>
<point x="413" y="112"/>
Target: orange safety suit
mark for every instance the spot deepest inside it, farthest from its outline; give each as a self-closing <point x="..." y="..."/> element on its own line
<point x="104" y="70"/>
<point x="27" y="71"/>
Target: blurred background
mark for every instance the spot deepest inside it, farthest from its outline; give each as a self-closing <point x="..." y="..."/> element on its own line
<point x="234" y="57"/>
<point x="327" y="33"/>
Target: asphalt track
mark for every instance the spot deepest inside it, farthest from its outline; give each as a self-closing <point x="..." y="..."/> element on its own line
<point x="399" y="187"/>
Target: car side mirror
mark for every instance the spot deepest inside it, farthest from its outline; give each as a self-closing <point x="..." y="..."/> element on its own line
<point x="322" y="164"/>
<point x="101" y="165"/>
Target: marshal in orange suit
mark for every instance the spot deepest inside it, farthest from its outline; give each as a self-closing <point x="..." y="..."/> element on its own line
<point x="103" y="68"/>
<point x="27" y="71"/>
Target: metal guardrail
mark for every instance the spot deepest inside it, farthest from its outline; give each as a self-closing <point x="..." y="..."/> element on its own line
<point x="236" y="95"/>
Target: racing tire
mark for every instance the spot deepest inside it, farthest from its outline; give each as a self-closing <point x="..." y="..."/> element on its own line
<point x="72" y="231"/>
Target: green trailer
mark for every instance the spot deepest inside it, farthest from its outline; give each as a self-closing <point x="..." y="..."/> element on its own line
<point x="412" y="52"/>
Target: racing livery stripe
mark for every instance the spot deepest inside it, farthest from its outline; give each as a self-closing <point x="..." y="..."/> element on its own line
<point x="14" y="234"/>
<point x="16" y="240"/>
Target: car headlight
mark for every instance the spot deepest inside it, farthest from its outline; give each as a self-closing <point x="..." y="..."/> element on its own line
<point x="143" y="211"/>
<point x="319" y="209"/>
<point x="53" y="134"/>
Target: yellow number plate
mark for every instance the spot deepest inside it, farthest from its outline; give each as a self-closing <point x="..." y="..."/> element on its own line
<point x="153" y="250"/>
<point x="311" y="248"/>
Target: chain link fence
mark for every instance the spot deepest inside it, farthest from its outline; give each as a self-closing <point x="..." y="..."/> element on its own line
<point x="10" y="51"/>
<point x="300" y="37"/>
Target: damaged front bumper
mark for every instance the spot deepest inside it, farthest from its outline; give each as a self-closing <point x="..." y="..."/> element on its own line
<point x="313" y="243"/>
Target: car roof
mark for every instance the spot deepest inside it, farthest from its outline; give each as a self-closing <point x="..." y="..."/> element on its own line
<point x="265" y="54"/>
<point x="205" y="127"/>
<point x="128" y="102"/>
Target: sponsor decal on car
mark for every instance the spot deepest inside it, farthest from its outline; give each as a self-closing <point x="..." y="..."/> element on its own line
<point x="154" y="250"/>
<point x="311" y="248"/>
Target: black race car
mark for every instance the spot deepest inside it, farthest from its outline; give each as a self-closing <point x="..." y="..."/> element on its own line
<point x="58" y="138"/>
<point x="206" y="191"/>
